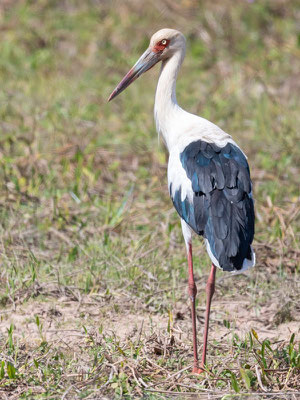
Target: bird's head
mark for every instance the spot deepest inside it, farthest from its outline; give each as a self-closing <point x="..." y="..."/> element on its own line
<point x="163" y="44"/>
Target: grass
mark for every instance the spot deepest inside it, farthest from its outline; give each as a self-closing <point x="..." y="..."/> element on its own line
<point x="93" y="271"/>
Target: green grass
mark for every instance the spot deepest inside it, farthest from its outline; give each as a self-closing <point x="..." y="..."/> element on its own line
<point x="93" y="270"/>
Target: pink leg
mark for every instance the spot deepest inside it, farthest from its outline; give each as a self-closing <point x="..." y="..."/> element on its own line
<point x="210" y="289"/>
<point x="192" y="294"/>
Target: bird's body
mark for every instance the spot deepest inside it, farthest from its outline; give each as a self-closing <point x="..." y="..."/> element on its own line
<point x="208" y="174"/>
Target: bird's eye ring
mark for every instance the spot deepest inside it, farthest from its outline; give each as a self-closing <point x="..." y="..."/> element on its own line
<point x="161" y="45"/>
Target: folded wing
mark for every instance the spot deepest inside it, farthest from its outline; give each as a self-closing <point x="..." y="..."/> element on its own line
<point x="221" y="206"/>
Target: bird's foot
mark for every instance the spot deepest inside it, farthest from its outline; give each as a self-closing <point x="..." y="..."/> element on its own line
<point x="198" y="370"/>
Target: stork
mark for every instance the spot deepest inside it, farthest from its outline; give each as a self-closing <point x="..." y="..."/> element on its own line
<point x="208" y="176"/>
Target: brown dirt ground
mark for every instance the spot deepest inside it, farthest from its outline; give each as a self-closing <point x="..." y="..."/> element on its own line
<point x="63" y="319"/>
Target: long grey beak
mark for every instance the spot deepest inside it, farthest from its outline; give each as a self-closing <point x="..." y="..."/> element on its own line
<point x="144" y="63"/>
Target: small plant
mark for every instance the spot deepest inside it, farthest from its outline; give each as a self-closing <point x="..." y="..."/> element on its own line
<point x="39" y="326"/>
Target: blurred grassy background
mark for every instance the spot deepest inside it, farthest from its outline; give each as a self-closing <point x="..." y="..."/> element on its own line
<point x="83" y="193"/>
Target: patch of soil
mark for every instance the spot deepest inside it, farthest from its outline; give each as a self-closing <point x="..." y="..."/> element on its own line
<point x="62" y="319"/>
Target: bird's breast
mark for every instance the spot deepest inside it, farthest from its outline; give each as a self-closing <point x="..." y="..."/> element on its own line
<point x="179" y="128"/>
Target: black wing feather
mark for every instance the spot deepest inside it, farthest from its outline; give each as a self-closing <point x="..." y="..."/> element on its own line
<point x="222" y="209"/>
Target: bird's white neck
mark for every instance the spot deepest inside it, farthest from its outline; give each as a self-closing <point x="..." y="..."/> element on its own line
<point x="165" y="98"/>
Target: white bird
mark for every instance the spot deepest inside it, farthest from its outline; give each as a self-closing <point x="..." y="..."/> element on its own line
<point x="208" y="175"/>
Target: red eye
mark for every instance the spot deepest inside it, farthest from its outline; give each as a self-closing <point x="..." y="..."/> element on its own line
<point x="160" y="46"/>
